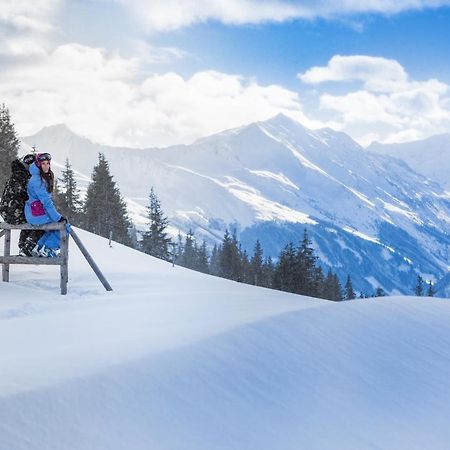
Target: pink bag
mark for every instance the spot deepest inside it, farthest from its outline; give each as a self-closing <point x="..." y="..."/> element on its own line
<point x="37" y="208"/>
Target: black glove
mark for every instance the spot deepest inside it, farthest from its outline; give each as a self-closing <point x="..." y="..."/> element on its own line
<point x="62" y="219"/>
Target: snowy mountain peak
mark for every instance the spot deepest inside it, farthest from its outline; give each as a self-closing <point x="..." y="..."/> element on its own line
<point x="59" y="129"/>
<point x="283" y="120"/>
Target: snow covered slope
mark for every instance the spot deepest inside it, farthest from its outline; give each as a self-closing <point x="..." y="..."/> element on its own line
<point x="271" y="179"/>
<point x="173" y="359"/>
<point x="429" y="157"/>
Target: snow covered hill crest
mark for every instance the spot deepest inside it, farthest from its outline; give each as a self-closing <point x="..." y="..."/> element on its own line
<point x="175" y="359"/>
<point x="369" y="215"/>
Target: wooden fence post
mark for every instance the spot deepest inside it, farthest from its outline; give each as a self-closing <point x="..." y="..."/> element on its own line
<point x="90" y="261"/>
<point x="7" y="252"/>
<point x="65" y="259"/>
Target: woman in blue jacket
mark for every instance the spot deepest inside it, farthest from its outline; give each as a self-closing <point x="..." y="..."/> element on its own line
<point x="39" y="208"/>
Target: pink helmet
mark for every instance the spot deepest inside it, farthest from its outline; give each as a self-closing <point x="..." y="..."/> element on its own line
<point x="42" y="157"/>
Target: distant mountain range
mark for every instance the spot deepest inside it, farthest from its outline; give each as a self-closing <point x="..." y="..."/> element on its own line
<point x="369" y="215"/>
<point x="429" y="157"/>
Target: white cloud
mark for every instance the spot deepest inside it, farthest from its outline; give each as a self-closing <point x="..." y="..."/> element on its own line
<point x="25" y="26"/>
<point x="154" y="55"/>
<point x="23" y="15"/>
<point x="403" y="108"/>
<point x="161" y="15"/>
<point x="99" y="94"/>
<point x="378" y="74"/>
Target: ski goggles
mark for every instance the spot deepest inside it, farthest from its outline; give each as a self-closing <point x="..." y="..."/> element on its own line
<point x="43" y="157"/>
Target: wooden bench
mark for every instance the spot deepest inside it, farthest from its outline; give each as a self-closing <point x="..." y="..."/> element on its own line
<point x="63" y="260"/>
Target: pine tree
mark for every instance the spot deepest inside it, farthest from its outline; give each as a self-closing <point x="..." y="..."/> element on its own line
<point x="202" y="259"/>
<point x="285" y="277"/>
<point x="187" y="257"/>
<point x="379" y="292"/>
<point x="229" y="258"/>
<point x="349" y="292"/>
<point x="179" y="248"/>
<point x="105" y="210"/>
<point x="225" y="257"/>
<point x="133" y="233"/>
<point x="332" y="289"/>
<point x="245" y="269"/>
<point x="431" y="291"/>
<point x="71" y="204"/>
<point x="214" y="265"/>
<point x="418" y="290"/>
<point x="267" y="272"/>
<point x="9" y="145"/>
<point x="155" y="241"/>
<point x="319" y="283"/>
<point x="305" y="267"/>
<point x="328" y="286"/>
<point x="256" y="265"/>
<point x="336" y="289"/>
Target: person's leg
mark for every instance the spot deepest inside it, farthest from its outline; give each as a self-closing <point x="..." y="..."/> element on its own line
<point x="36" y="234"/>
<point x="28" y="240"/>
<point x="22" y="238"/>
<point x="32" y="237"/>
<point x="50" y="239"/>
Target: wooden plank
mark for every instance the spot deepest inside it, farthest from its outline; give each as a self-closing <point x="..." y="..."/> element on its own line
<point x="64" y="261"/>
<point x="2" y="233"/>
<point x="36" y="260"/>
<point x="27" y="226"/>
<point x="89" y="259"/>
<point x="6" y="253"/>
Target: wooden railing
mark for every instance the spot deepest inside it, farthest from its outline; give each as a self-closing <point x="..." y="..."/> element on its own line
<point x="62" y="260"/>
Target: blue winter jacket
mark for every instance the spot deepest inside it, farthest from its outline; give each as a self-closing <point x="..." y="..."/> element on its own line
<point x="37" y="190"/>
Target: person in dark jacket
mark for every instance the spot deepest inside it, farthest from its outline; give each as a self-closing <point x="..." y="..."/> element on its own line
<point x="13" y="201"/>
<point x="39" y="208"/>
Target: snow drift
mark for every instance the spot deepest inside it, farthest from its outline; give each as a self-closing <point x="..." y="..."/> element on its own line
<point x="174" y="359"/>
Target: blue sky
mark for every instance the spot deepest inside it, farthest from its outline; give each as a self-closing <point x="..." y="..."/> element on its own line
<point x="161" y="72"/>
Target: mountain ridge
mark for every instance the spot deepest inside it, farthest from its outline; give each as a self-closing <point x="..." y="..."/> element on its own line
<point x="272" y="178"/>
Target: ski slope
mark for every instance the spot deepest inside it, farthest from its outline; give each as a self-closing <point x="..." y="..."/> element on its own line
<point x="177" y="360"/>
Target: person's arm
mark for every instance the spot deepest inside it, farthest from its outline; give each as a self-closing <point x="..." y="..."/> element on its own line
<point x="46" y="199"/>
